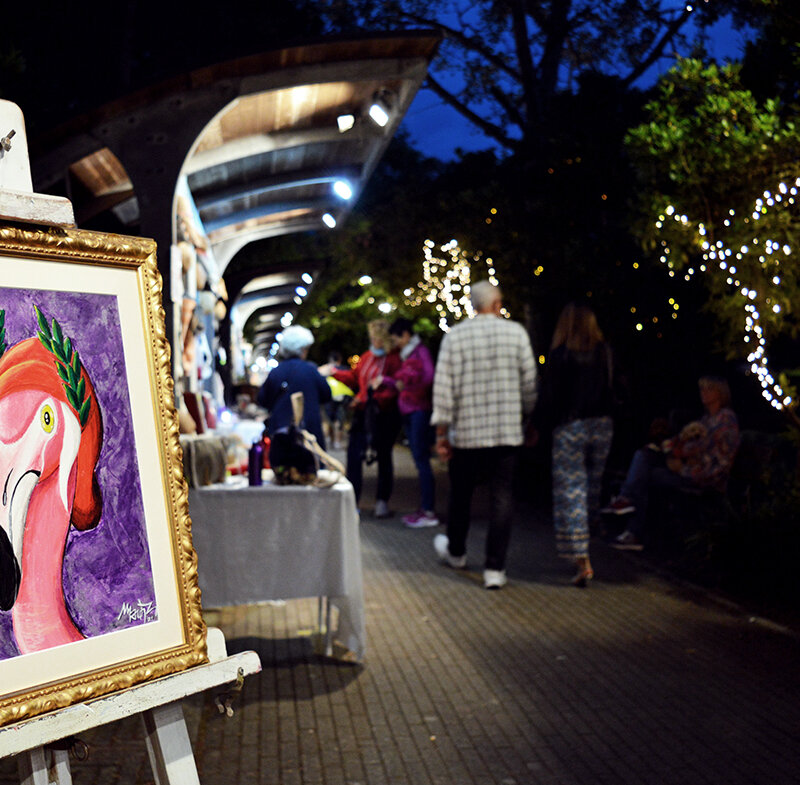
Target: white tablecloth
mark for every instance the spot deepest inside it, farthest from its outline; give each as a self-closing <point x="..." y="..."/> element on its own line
<point x="281" y="542"/>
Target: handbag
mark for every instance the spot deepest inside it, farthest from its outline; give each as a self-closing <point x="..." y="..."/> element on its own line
<point x="297" y="458"/>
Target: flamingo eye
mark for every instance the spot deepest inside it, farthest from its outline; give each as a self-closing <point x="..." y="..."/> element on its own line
<point x="47" y="418"/>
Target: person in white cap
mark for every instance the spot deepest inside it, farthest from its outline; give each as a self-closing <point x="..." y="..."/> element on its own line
<point x="294" y="374"/>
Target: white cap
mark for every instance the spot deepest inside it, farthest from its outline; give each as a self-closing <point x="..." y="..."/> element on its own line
<point x="294" y="339"/>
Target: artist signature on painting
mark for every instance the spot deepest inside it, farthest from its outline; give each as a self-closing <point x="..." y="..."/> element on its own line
<point x="142" y="611"/>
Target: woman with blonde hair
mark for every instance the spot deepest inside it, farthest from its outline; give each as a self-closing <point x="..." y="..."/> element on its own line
<point x="576" y="403"/>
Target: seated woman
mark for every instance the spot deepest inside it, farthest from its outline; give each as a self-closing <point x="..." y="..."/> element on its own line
<point x="701" y="456"/>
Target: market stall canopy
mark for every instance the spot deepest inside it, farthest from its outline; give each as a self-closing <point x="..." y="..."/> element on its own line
<point x="266" y="145"/>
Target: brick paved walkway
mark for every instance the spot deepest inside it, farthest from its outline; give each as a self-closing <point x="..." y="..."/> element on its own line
<point x="633" y="680"/>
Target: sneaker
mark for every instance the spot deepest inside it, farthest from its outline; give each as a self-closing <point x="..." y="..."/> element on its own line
<point x="627" y="541"/>
<point x="442" y="547"/>
<point x="494" y="579"/>
<point x="382" y="509"/>
<point x="619" y="506"/>
<point x="421" y="519"/>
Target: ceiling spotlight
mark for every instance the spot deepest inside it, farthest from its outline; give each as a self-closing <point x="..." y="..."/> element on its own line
<point x="307" y="278"/>
<point x="345" y="122"/>
<point x="343" y="189"/>
<point x="379" y="111"/>
<point x="329" y="220"/>
<point x="301" y="290"/>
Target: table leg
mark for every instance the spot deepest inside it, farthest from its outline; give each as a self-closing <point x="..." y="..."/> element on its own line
<point x="324" y="624"/>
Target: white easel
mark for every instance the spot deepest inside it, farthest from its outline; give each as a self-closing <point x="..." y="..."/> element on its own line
<point x="42" y="759"/>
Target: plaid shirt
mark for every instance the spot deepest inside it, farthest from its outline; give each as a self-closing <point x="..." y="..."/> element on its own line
<point x="485" y="382"/>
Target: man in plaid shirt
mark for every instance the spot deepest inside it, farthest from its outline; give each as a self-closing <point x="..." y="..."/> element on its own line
<point x="485" y="384"/>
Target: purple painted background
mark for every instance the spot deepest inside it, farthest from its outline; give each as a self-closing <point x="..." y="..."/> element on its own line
<point x="107" y="566"/>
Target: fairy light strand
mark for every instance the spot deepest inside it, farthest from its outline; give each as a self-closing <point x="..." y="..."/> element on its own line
<point x="732" y="263"/>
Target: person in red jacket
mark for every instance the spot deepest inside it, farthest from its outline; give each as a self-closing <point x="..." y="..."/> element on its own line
<point x="376" y="419"/>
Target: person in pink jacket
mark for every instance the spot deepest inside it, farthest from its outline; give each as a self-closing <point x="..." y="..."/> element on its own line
<point x="414" y="382"/>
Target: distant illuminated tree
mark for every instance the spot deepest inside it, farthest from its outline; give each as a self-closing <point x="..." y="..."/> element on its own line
<point x="719" y="189"/>
<point x="446" y="281"/>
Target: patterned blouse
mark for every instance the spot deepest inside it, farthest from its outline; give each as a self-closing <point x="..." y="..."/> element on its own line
<point x="706" y="449"/>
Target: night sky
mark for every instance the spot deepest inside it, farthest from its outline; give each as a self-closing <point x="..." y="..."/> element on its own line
<point x="438" y="130"/>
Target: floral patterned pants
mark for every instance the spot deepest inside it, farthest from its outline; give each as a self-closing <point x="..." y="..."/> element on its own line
<point x="580" y="449"/>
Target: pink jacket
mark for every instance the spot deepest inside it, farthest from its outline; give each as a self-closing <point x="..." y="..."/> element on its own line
<point x="416" y="374"/>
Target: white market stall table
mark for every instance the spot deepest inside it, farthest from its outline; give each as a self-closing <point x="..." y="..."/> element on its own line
<point x="274" y="542"/>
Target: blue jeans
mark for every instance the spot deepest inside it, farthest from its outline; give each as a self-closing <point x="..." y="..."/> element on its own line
<point x="418" y="433"/>
<point x="468" y="468"/>
<point x="648" y="471"/>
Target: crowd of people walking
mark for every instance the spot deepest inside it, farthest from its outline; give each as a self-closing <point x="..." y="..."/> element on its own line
<point x="476" y="406"/>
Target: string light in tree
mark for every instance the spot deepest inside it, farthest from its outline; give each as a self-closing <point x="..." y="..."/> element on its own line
<point x="734" y="262"/>
<point x="447" y="274"/>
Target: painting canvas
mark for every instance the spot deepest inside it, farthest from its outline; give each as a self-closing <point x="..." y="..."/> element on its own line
<point x="98" y="584"/>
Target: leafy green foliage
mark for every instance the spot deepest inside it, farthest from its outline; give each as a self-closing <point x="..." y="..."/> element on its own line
<point x="708" y="144"/>
<point x="343" y="327"/>
<point x="708" y="150"/>
<point x="68" y="364"/>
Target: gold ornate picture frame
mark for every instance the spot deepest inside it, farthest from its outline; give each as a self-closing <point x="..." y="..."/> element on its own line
<point x="98" y="577"/>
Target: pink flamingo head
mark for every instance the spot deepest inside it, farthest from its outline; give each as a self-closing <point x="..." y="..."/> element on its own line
<point x="51" y="433"/>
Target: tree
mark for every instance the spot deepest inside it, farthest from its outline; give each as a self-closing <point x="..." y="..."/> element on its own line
<point x="551" y="83"/>
<point x="504" y="64"/>
<point x="719" y="184"/>
<point x="771" y="57"/>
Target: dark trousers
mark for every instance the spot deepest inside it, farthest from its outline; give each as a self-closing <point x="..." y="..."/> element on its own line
<point x="387" y="426"/>
<point x="648" y="474"/>
<point x="468" y="469"/>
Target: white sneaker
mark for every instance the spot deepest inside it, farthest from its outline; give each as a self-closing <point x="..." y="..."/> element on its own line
<point x="627" y="541"/>
<point x="442" y="547"/>
<point x="494" y="579"/>
<point x="382" y="509"/>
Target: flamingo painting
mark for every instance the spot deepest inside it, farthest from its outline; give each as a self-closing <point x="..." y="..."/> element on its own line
<point x="51" y="433"/>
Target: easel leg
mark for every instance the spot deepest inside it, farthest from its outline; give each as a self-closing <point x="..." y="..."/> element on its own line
<point x="34" y="770"/>
<point x="168" y="746"/>
<point x="61" y="767"/>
